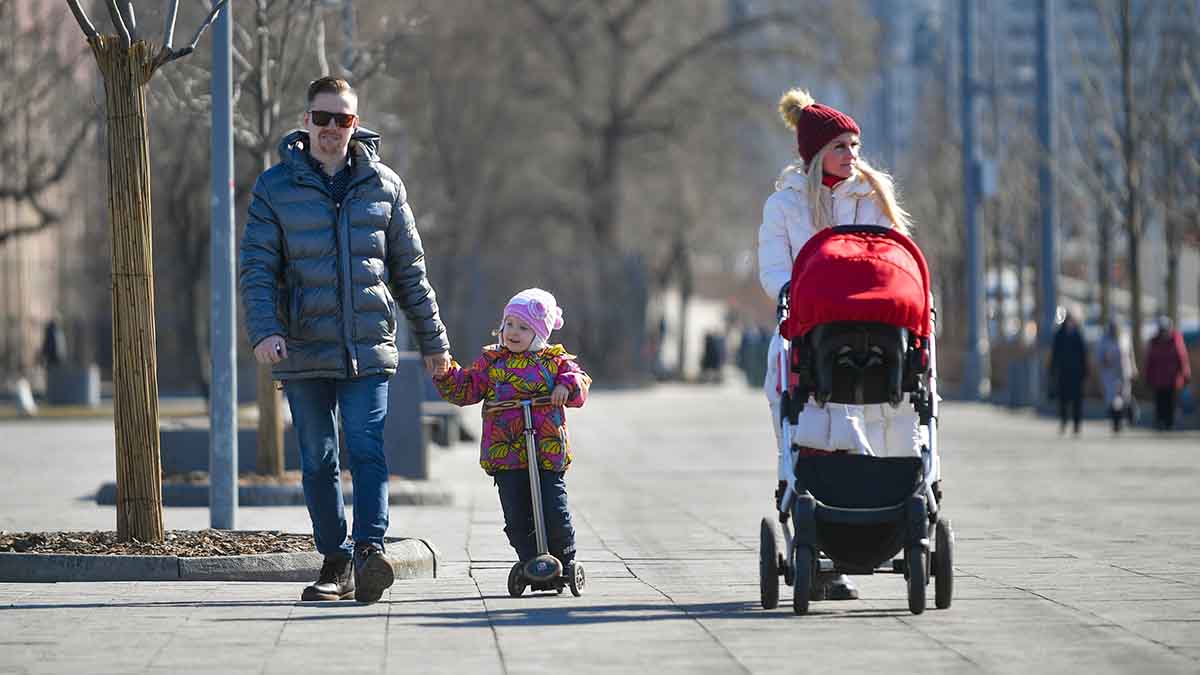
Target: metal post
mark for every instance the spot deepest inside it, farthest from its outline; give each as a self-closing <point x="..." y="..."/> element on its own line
<point x="222" y="448"/>
<point x="975" y="366"/>
<point x="1048" y="270"/>
<point x="887" y="75"/>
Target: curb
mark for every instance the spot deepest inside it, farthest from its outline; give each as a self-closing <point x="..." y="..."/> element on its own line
<point x="400" y="493"/>
<point x="411" y="559"/>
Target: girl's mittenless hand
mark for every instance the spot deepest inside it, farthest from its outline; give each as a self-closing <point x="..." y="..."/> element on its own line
<point x="559" y="395"/>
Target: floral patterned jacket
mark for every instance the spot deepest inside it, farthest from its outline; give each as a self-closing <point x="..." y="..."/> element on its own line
<point x="501" y="375"/>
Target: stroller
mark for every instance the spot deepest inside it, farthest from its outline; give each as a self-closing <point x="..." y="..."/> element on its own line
<point x="857" y="324"/>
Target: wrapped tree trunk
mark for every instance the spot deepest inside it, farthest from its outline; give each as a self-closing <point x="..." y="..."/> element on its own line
<point x="126" y="71"/>
<point x="126" y="64"/>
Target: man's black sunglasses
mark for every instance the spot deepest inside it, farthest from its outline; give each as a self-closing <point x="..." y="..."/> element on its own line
<point x="321" y="118"/>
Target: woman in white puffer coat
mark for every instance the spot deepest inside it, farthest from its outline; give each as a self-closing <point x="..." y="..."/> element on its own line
<point x="829" y="185"/>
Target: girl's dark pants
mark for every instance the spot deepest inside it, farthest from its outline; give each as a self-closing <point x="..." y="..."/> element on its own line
<point x="517" y="503"/>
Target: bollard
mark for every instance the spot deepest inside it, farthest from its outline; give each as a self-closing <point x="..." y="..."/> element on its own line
<point x="404" y="440"/>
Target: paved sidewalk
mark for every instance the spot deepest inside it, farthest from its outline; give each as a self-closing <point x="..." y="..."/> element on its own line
<point x="1073" y="555"/>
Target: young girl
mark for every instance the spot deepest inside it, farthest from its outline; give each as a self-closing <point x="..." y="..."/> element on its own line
<point x="524" y="366"/>
<point x="829" y="185"/>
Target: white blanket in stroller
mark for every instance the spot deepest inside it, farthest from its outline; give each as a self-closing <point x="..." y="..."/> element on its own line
<point x="879" y="429"/>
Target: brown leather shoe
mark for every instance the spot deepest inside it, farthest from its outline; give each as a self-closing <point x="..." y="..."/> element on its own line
<point x="373" y="574"/>
<point x="336" y="581"/>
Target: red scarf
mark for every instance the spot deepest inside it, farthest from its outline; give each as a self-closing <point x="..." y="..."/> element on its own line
<point x="829" y="180"/>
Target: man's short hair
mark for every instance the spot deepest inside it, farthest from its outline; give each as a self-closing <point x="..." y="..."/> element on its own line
<point x="329" y="85"/>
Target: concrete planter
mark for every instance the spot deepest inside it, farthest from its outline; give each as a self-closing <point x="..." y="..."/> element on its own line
<point x="73" y="385"/>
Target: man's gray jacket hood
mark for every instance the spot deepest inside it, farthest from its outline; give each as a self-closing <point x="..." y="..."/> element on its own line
<point x="332" y="278"/>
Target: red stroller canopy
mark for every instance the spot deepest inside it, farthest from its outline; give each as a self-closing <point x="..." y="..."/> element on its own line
<point x="859" y="273"/>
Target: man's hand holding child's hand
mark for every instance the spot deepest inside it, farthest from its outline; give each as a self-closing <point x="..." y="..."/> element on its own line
<point x="559" y="395"/>
<point x="438" y="364"/>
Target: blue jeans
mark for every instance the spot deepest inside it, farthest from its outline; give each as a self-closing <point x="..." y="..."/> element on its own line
<point x="363" y="405"/>
<point x="517" y="503"/>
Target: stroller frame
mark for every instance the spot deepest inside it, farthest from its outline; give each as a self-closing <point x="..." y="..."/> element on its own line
<point x="917" y="513"/>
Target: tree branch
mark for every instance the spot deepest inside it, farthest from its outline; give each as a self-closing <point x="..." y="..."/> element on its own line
<point x="131" y="21"/>
<point x="122" y="29"/>
<point x="168" y="40"/>
<point x="81" y="17"/>
<point x="38" y="182"/>
<point x="565" y="47"/>
<point x="623" y="17"/>
<point x="166" y="55"/>
<point x="46" y="219"/>
<point x="658" y="78"/>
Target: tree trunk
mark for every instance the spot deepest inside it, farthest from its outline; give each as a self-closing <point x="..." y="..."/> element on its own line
<point x="1171" y="230"/>
<point x="686" y="288"/>
<point x="1019" y="254"/>
<point x="1129" y="151"/>
<point x="135" y="380"/>
<point x="269" y="457"/>
<point x="1104" y="264"/>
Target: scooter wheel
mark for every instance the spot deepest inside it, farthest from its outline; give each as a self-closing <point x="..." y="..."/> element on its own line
<point x="576" y="578"/>
<point x="516" y="581"/>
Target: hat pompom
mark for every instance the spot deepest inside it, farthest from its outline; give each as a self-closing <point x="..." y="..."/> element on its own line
<point x="792" y="105"/>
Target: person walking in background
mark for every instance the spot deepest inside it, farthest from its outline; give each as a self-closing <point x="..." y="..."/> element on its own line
<point x="1068" y="370"/>
<point x="1167" y="370"/>
<point x="329" y="257"/>
<point x="1117" y="370"/>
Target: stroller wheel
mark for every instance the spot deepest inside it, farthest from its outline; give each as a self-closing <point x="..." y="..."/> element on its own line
<point x="576" y="578"/>
<point x="943" y="564"/>
<point x="516" y="581"/>
<point x="802" y="578"/>
<point x="916" y="560"/>
<point x="768" y="564"/>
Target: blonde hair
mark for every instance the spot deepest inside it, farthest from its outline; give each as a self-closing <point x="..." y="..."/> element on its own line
<point x="884" y="193"/>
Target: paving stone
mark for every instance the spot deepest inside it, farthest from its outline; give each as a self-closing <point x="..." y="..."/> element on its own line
<point x="1057" y="566"/>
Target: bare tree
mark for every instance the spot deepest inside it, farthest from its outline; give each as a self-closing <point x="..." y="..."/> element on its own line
<point x="1138" y="100"/>
<point x="34" y="67"/>
<point x="1173" y="123"/>
<point x="127" y="62"/>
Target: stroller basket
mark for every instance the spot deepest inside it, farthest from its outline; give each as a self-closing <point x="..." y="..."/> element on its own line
<point x="858" y="481"/>
<point x="862" y="505"/>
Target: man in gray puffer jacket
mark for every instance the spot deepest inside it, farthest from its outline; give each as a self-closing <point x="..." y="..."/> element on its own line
<point x="330" y="255"/>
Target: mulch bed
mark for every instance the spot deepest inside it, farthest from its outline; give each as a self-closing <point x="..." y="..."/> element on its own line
<point x="182" y="543"/>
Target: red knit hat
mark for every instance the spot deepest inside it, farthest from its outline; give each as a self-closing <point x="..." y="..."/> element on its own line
<point x="815" y="124"/>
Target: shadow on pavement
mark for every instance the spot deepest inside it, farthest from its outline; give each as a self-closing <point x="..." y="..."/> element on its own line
<point x="597" y="614"/>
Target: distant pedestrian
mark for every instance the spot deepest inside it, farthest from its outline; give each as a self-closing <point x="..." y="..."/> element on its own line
<point x="330" y="261"/>
<point x="1068" y="370"/>
<point x="524" y="366"/>
<point x="1117" y="370"/>
<point x="1167" y="371"/>
<point x="54" y="345"/>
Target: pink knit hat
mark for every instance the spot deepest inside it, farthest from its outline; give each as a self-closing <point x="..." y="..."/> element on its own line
<point x="536" y="308"/>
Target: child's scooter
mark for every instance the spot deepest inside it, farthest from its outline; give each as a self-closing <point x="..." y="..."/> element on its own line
<point x="544" y="572"/>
